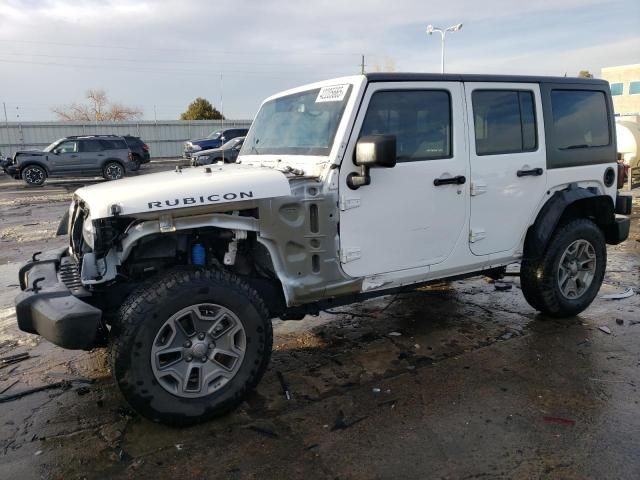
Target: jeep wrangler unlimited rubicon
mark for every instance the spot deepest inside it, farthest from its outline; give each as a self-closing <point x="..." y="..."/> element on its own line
<point x="344" y="189"/>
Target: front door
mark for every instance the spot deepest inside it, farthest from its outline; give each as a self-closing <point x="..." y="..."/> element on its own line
<point x="508" y="163"/>
<point x="410" y="215"/>
<point x="64" y="158"/>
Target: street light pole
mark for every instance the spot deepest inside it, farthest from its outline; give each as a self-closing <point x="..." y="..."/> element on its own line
<point x="443" y="36"/>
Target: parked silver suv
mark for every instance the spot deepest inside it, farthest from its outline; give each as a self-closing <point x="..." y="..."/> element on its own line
<point x="78" y="156"/>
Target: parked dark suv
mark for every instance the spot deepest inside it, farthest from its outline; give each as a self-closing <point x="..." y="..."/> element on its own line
<point x="139" y="149"/>
<point x="87" y="156"/>
<point x="214" y="140"/>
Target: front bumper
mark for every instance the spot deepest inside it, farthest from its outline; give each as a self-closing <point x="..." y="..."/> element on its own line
<point x="51" y="304"/>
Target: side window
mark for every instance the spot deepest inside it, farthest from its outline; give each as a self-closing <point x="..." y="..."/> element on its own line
<point x="419" y="119"/>
<point x="634" y="87"/>
<point x="580" y="119"/>
<point x="91" y="146"/>
<point x="504" y="121"/>
<point x="67" y="147"/>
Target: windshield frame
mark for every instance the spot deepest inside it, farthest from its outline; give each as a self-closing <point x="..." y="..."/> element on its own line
<point x="306" y="151"/>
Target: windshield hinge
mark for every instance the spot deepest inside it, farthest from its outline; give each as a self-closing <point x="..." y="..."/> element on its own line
<point x="347" y="203"/>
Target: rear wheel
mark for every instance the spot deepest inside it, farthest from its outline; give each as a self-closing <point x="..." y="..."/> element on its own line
<point x="113" y="171"/>
<point x="34" y="175"/>
<point x="190" y="345"/>
<point x="567" y="278"/>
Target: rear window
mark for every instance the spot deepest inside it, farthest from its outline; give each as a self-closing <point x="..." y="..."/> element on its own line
<point x="580" y="119"/>
<point x="91" y="146"/>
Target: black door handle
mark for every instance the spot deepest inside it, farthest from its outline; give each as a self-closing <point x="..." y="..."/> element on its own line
<point x="459" y="180"/>
<point x="534" y="172"/>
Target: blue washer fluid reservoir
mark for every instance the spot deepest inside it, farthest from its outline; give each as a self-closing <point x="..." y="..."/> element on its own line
<point x="198" y="254"/>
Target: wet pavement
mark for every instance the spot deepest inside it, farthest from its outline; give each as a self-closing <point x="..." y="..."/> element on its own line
<point x="453" y="381"/>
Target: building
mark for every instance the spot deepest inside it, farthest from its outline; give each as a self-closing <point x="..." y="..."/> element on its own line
<point x="625" y="88"/>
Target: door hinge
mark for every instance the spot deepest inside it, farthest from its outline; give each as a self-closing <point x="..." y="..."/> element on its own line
<point x="478" y="188"/>
<point x="477" y="234"/>
<point x="347" y="203"/>
<point x="349" y="254"/>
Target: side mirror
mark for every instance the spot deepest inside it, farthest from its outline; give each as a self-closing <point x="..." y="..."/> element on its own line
<point x="371" y="152"/>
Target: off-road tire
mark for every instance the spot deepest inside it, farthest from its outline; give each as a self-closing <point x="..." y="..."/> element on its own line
<point x="143" y="314"/>
<point x="538" y="277"/>
<point x="34" y="175"/>
<point x="109" y="167"/>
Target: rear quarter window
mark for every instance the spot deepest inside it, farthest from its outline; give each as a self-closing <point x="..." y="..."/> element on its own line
<point x="114" y="144"/>
<point x="580" y="119"/>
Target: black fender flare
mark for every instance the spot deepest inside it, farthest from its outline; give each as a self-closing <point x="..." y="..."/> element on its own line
<point x="574" y="202"/>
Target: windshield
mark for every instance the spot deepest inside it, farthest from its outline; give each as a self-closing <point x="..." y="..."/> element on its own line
<point x="53" y="145"/>
<point x="299" y="124"/>
<point x="214" y="135"/>
<point x="231" y="143"/>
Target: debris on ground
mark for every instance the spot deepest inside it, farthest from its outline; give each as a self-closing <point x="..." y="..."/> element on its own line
<point x="376" y="390"/>
<point x="619" y="321"/>
<point x="267" y="432"/>
<point x="628" y="292"/>
<point x="559" y="420"/>
<point x="179" y="446"/>
<point x="394" y="334"/>
<point x="341" y="423"/>
<point x="8" y="387"/>
<point x="283" y="384"/>
<point x="5" y="361"/>
<point x="605" y="329"/>
<point x="65" y="385"/>
<point x="502" y="286"/>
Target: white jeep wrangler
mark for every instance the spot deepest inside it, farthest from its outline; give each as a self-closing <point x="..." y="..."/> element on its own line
<point x="344" y="189"/>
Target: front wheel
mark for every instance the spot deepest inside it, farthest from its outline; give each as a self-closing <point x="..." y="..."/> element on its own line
<point x="113" y="171"/>
<point x="34" y="175"/>
<point x="567" y="278"/>
<point x="190" y="345"/>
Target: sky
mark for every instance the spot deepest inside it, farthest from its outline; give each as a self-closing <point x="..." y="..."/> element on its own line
<point x="159" y="55"/>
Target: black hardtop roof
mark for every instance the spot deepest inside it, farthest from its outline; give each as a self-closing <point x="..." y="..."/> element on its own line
<point x="467" y="77"/>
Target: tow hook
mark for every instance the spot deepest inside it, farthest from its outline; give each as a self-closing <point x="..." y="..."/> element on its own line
<point x="34" y="257"/>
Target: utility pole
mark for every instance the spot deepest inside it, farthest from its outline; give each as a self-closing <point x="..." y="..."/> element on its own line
<point x="221" y="109"/>
<point x="362" y="65"/>
<point x="6" y="123"/>
<point x="443" y="35"/>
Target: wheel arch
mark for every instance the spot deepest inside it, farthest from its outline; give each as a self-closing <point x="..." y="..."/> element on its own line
<point x="30" y="163"/>
<point x="564" y="205"/>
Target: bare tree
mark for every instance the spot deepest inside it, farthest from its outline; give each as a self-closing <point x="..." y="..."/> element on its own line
<point x="388" y="65"/>
<point x="98" y="109"/>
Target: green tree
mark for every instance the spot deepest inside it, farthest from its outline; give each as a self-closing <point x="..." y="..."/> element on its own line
<point x="201" y="109"/>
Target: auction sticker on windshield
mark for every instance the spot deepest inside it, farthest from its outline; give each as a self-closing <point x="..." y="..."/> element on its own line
<point x="334" y="93"/>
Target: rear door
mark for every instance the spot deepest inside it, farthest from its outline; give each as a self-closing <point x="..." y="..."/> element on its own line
<point x="92" y="155"/>
<point x="402" y="220"/>
<point x="508" y="163"/>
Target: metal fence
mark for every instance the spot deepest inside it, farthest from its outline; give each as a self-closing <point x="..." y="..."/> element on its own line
<point x="165" y="138"/>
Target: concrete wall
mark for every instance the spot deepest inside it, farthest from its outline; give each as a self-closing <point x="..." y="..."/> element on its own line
<point x="165" y="138"/>
<point x="624" y="104"/>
